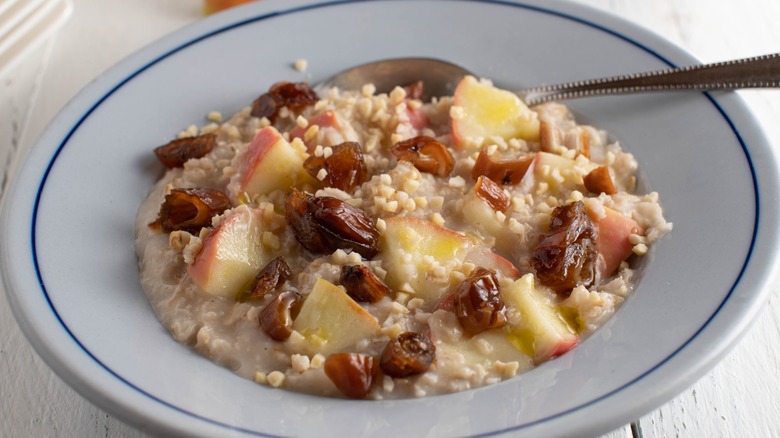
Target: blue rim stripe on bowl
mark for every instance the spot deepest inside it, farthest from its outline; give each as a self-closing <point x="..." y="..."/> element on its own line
<point x="338" y="3"/>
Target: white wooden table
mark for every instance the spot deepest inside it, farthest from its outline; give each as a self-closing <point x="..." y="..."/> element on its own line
<point x="738" y="398"/>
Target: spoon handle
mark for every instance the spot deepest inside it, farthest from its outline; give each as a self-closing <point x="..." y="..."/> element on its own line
<point x="757" y="72"/>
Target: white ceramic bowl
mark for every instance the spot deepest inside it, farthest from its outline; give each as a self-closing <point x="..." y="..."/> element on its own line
<point x="71" y="273"/>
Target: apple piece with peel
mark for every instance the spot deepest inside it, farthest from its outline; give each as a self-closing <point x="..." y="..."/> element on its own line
<point x="478" y="213"/>
<point x="421" y="255"/>
<point x="331" y="131"/>
<point x="331" y="321"/>
<point x="269" y="163"/>
<point x="483" y="110"/>
<point x="559" y="172"/>
<point x="411" y="121"/>
<point x="417" y="117"/>
<point x="232" y="254"/>
<point x="484" y="257"/>
<point x="614" y="240"/>
<point x="542" y="332"/>
<point x="483" y="348"/>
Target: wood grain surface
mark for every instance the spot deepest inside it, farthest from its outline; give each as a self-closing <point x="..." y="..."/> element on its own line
<point x="738" y="398"/>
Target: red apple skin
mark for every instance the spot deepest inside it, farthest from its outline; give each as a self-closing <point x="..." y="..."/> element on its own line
<point x="566" y="344"/>
<point x="613" y="242"/>
<point x="485" y="258"/>
<point x="417" y="118"/>
<point x="327" y="119"/>
<point x="260" y="145"/>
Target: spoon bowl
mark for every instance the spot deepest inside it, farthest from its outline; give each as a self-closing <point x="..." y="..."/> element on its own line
<point x="439" y="78"/>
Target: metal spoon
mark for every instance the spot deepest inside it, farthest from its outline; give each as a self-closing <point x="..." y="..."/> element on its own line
<point x="440" y="78"/>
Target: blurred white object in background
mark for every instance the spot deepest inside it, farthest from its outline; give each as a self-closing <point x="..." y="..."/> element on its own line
<point x="26" y="23"/>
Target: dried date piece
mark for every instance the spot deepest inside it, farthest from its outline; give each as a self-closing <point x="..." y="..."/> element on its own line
<point x="491" y="193"/>
<point x="478" y="303"/>
<point x="599" y="180"/>
<point x="345" y="166"/>
<point x="507" y="172"/>
<point x="294" y="95"/>
<point x="566" y="256"/>
<point x="325" y="224"/>
<point x="344" y="226"/>
<point x="352" y="373"/>
<point x="552" y="138"/>
<point x="190" y="209"/>
<point x="272" y="277"/>
<point x="426" y="153"/>
<point x="301" y="222"/>
<point x="409" y="354"/>
<point x="276" y="317"/>
<point x="177" y="152"/>
<point x="362" y="284"/>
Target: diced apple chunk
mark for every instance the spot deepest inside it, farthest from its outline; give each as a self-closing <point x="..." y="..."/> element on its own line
<point x="478" y="213"/>
<point x="483" y="348"/>
<point x="482" y="110"/>
<point x="329" y="131"/>
<point x="552" y="139"/>
<point x="559" y="173"/>
<point x="486" y="258"/>
<point x="417" y="117"/>
<point x="419" y="254"/>
<point x="331" y="321"/>
<point x="614" y="242"/>
<point x="269" y="163"/>
<point x="231" y="255"/>
<point x="541" y="332"/>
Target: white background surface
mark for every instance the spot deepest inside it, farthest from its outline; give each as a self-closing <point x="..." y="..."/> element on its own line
<point x="738" y="398"/>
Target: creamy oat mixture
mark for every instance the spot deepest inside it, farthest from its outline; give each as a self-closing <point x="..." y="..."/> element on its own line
<point x="374" y="246"/>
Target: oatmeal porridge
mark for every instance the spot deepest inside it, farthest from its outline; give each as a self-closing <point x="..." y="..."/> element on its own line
<point x="372" y="245"/>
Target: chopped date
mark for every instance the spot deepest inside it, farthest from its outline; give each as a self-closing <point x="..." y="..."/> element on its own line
<point x="599" y="180"/>
<point x="426" y="154"/>
<point x="506" y="172"/>
<point x="492" y="193"/>
<point x="294" y="95"/>
<point x="345" y="168"/>
<point x="362" y="284"/>
<point x="409" y="354"/>
<point x="478" y="303"/>
<point x="270" y="278"/>
<point x="325" y="224"/>
<point x="301" y="222"/>
<point x="276" y="318"/>
<point x="177" y="152"/>
<point x="566" y="256"/>
<point x="190" y="209"/>
<point x="352" y="373"/>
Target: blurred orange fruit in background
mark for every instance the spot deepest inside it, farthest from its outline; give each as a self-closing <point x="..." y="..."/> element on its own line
<point x="212" y="6"/>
